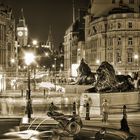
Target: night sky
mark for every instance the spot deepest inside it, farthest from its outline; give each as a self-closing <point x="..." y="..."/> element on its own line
<point x="41" y="14"/>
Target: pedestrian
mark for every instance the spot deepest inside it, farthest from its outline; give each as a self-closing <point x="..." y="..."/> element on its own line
<point x="124" y="111"/>
<point x="124" y="125"/>
<point x="105" y="110"/>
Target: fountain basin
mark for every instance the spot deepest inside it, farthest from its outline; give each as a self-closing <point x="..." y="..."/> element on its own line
<point x="86" y="133"/>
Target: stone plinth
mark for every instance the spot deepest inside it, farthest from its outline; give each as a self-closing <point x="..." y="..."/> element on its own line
<point x="115" y="100"/>
<point x="76" y="89"/>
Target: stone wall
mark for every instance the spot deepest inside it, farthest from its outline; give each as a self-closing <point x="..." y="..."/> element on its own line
<point x="115" y="100"/>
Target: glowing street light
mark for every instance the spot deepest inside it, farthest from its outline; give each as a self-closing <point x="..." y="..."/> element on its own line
<point x="54" y="66"/>
<point x="46" y="54"/>
<point x="12" y="60"/>
<point x="34" y="42"/>
<point x="136" y="56"/>
<point x="61" y="65"/>
<point x="98" y="61"/>
<point x="29" y="58"/>
<point x="136" y="59"/>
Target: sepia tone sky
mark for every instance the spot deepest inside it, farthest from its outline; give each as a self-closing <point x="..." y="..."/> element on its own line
<point x="40" y="14"/>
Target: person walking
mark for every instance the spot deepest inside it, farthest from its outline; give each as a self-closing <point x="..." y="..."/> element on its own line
<point x="124" y="111"/>
<point x="105" y="110"/>
<point x="124" y="125"/>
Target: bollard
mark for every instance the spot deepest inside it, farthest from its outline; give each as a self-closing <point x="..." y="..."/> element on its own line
<point x="44" y="93"/>
<point x="74" y="108"/>
<point x="87" y="112"/>
<point x="22" y="93"/>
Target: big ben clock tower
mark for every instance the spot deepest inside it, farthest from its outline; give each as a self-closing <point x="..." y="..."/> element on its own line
<point x="22" y="31"/>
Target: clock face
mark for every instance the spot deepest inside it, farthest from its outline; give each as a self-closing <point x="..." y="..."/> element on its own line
<point x="20" y="33"/>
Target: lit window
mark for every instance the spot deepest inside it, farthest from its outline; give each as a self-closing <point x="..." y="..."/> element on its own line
<point x="130" y="41"/>
<point x="130" y="57"/>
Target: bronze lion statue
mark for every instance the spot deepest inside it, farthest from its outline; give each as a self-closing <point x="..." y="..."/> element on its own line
<point x="107" y="81"/>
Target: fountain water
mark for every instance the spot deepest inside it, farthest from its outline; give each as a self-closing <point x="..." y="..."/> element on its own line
<point x="32" y="123"/>
<point x="40" y="123"/>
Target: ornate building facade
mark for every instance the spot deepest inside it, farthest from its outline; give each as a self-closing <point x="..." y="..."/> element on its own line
<point x="112" y="32"/>
<point x="7" y="43"/>
<point x="7" y="36"/>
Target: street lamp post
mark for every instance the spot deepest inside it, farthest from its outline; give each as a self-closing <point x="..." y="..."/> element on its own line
<point x="29" y="87"/>
<point x="35" y="42"/>
<point x="61" y="69"/>
<point x="54" y="66"/>
<point x="29" y="58"/>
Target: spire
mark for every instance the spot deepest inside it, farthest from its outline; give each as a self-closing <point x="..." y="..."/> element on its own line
<point x="22" y="15"/>
<point x="73" y="11"/>
<point x="22" y="20"/>
<point x="50" y="39"/>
